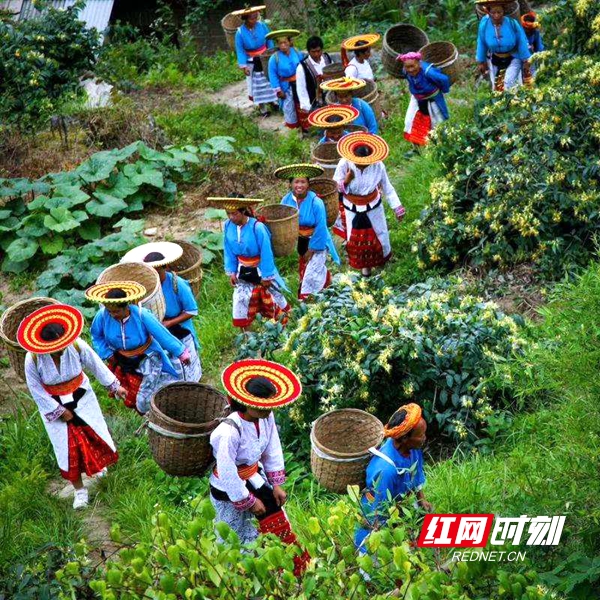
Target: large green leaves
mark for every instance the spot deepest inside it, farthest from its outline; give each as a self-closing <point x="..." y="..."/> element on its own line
<point x="105" y="205"/>
<point x="98" y="167"/>
<point x="22" y="249"/>
<point x="60" y="220"/>
<point x="140" y="173"/>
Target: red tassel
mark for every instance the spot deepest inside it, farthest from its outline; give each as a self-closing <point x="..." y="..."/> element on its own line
<point x="345" y="59"/>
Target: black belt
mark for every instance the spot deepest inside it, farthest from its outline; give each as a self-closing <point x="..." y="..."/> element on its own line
<point x="263" y="493"/>
<point x="179" y="331"/>
<point x="78" y="394"/>
<point x="249" y="275"/>
<point x="129" y="364"/>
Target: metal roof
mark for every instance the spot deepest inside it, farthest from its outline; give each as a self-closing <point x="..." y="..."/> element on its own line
<point x="95" y="14"/>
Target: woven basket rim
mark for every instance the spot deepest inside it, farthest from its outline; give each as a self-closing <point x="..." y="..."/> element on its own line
<point x="192" y="427"/>
<point x="230" y="17"/>
<point x="326" y="145"/>
<point x="11" y="309"/>
<point x="333" y="453"/>
<point x="325" y="180"/>
<point x="295" y="214"/>
<point x="151" y="273"/>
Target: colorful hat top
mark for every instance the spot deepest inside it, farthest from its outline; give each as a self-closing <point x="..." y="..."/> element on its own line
<point x="348" y="84"/>
<point x="228" y="203"/>
<point x="283" y="33"/>
<point x="134" y="291"/>
<point x="50" y="329"/>
<point x="412" y="416"/>
<point x="170" y="252"/>
<point x="363" y="148"/>
<point x="236" y="376"/>
<point x="248" y="11"/>
<point x="361" y="42"/>
<point x="299" y="170"/>
<point x="333" y="116"/>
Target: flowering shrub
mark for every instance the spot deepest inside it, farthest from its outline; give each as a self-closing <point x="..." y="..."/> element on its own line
<point x="370" y="347"/>
<point x="41" y="61"/>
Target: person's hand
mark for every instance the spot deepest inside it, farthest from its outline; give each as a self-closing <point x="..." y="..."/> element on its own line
<point x="426" y="506"/>
<point x="483" y="68"/>
<point x="167" y="323"/>
<point x="67" y="415"/>
<point x="121" y="393"/>
<point x="266" y="283"/>
<point x="281" y="94"/>
<point x="233" y="279"/>
<point x="279" y="494"/>
<point x="349" y="177"/>
<point x="258" y="508"/>
<point x="246" y="71"/>
<point x="186" y="357"/>
<point x="400" y="212"/>
<point x="526" y="68"/>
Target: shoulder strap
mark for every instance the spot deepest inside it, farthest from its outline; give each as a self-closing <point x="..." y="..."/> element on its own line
<point x="175" y="282"/>
<point x="381" y="455"/>
<point x="233" y="424"/>
<point x="427" y="69"/>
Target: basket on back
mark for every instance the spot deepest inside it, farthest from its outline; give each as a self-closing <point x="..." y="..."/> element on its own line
<point x="443" y="56"/>
<point x="189" y="266"/>
<point x="511" y="9"/>
<point x="327" y="156"/>
<point x="400" y="39"/>
<point x="182" y="416"/>
<point x="334" y="70"/>
<point x="264" y="60"/>
<point x="140" y="273"/>
<point x="9" y="325"/>
<point x="283" y="223"/>
<point x="230" y="24"/>
<point x="326" y="189"/>
<point x="340" y="442"/>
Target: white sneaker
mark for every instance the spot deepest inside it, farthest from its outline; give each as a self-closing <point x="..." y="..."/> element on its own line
<point x="101" y="474"/>
<point x="80" y="499"/>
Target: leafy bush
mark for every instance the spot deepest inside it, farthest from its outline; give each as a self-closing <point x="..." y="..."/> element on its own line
<point x="370" y="347"/>
<point x="189" y="563"/>
<point x="41" y="61"/>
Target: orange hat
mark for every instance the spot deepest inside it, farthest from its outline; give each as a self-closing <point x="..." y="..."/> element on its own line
<point x="413" y="416"/>
<point x="348" y="145"/>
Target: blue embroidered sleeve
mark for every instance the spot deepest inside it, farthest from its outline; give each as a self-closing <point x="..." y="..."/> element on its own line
<point x="369" y="116"/>
<point x="186" y="296"/>
<point x="267" y="260"/>
<point x="98" y="338"/>
<point x="242" y="57"/>
<point x="318" y="240"/>
<point x="523" y="52"/>
<point x="441" y="80"/>
<point x="481" y="43"/>
<point x="161" y="334"/>
<point x="274" y="73"/>
<point x="231" y="261"/>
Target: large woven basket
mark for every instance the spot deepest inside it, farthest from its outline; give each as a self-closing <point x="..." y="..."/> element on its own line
<point x="182" y="416"/>
<point x="333" y="71"/>
<point x="9" y="325"/>
<point x="230" y="24"/>
<point x="264" y="60"/>
<point x="326" y="189"/>
<point x="510" y="10"/>
<point x="444" y="56"/>
<point x="340" y="442"/>
<point x="140" y="273"/>
<point x="400" y="39"/>
<point x="189" y="266"/>
<point x="283" y="223"/>
<point x="369" y="94"/>
<point x="327" y="156"/>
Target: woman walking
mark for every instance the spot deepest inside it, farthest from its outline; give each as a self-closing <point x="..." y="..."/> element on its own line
<point x="282" y="74"/>
<point x="343" y="89"/>
<point x="333" y="120"/>
<point x="359" y="67"/>
<point x="250" y="42"/>
<point x="502" y="47"/>
<point x="55" y="372"/>
<point x="181" y="306"/>
<point x="427" y="107"/>
<point x="314" y="242"/>
<point x="362" y="179"/>
<point x="245" y="486"/>
<point x="250" y="265"/>
<point x="140" y="350"/>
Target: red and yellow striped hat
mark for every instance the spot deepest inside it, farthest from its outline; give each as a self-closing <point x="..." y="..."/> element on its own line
<point x="322" y="117"/>
<point x="29" y="334"/>
<point x="236" y="376"/>
<point x="134" y="291"/>
<point x="349" y="144"/>
<point x="361" y="42"/>
<point x="341" y="84"/>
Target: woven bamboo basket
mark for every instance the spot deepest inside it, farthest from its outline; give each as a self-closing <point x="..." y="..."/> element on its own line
<point x="189" y="266"/>
<point x="444" y="56"/>
<point x="230" y="24"/>
<point x="352" y="128"/>
<point x="333" y="71"/>
<point x="140" y="273"/>
<point x="182" y="416"/>
<point x="9" y="325"/>
<point x="283" y="223"/>
<point x="369" y="94"/>
<point x="510" y="10"/>
<point x="264" y="60"/>
<point x="400" y="39"/>
<point x="326" y="189"/>
<point x="340" y="442"/>
<point x="327" y="156"/>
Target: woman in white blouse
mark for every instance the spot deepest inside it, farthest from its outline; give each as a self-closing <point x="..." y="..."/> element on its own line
<point x="359" y="67"/>
<point x="363" y="181"/>
<point x="54" y="371"/>
<point x="250" y="469"/>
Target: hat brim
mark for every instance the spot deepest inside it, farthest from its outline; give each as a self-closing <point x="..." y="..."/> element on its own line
<point x="299" y="170"/>
<point x="248" y="11"/>
<point x="172" y="253"/>
<point x="348" y="144"/>
<point x="343" y="84"/>
<point x="236" y="376"/>
<point x="370" y="38"/>
<point x="318" y="118"/>
<point x="234" y="203"/>
<point x="282" y="33"/>
<point x="134" y="291"/>
<point x="30" y="329"/>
